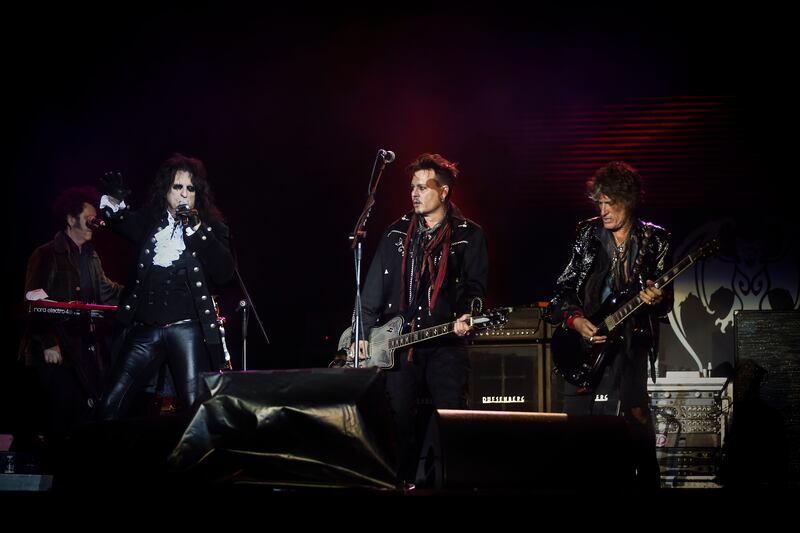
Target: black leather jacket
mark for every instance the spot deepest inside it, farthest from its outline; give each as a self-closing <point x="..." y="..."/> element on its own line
<point x="51" y="267"/>
<point x="570" y="286"/>
<point x="467" y="272"/>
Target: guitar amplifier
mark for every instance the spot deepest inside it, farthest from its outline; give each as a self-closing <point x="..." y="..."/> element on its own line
<point x="512" y="368"/>
<point x="507" y="377"/>
<point x="524" y="325"/>
<point x="692" y="417"/>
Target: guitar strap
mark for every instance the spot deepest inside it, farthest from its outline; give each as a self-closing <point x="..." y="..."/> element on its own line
<point x="410" y="354"/>
<point x="637" y="265"/>
<point x="651" y="352"/>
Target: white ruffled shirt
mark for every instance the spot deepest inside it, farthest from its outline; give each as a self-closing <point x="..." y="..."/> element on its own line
<point x="169" y="241"/>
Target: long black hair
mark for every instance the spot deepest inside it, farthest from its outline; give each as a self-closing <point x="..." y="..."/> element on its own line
<point x="165" y="177"/>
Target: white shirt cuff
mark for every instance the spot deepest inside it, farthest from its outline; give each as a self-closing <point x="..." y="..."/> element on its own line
<point x="105" y="201"/>
<point x="36" y="294"/>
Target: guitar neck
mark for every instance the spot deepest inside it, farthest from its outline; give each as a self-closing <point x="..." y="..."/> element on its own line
<point x="421" y="335"/>
<point x="614" y="319"/>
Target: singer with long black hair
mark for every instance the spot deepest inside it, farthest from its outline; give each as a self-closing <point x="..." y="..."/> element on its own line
<point x="68" y="356"/>
<point x="168" y="310"/>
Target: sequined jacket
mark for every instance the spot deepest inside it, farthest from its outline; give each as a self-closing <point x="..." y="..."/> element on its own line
<point x="569" y="294"/>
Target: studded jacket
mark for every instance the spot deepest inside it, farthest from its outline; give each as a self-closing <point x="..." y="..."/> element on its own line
<point x="208" y="262"/>
<point x="467" y="272"/>
<point x="655" y="261"/>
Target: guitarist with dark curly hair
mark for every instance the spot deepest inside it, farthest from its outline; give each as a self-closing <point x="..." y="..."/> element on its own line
<point x="616" y="256"/>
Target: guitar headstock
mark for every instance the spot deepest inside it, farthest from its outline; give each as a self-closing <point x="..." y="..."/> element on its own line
<point x="706" y="250"/>
<point x="491" y="319"/>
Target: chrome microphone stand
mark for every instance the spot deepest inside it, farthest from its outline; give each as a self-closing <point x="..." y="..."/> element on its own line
<point x="382" y="158"/>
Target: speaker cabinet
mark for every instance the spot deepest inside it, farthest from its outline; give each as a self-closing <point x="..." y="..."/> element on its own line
<point x="764" y="442"/>
<point x="507" y="377"/>
<point x="465" y="450"/>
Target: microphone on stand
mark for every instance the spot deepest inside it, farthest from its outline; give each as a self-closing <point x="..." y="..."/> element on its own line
<point x="386" y="155"/>
<point x="93" y="222"/>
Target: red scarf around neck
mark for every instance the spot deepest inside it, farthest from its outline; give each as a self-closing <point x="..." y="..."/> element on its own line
<point x="443" y="237"/>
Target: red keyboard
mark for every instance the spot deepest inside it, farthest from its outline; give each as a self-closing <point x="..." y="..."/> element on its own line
<point x="51" y="308"/>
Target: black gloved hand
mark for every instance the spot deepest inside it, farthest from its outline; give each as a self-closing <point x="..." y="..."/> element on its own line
<point x="113" y="187"/>
<point x="189" y="217"/>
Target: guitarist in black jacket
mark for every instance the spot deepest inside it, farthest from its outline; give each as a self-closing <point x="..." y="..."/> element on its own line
<point x="430" y="266"/>
<point x="616" y="253"/>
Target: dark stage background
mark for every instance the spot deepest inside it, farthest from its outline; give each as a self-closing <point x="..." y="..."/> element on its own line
<point x="287" y="109"/>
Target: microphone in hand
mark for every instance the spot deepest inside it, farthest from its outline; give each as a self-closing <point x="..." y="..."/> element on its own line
<point x="188" y="216"/>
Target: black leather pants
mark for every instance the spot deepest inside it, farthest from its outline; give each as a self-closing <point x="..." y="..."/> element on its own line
<point x="142" y="354"/>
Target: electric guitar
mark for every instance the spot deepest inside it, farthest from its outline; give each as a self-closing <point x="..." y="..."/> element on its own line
<point x="581" y="362"/>
<point x="388" y="337"/>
